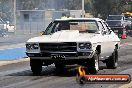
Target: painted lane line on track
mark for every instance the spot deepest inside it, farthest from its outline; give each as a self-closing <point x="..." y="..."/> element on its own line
<point x="127" y="85"/>
<point x="12" y="54"/>
<point x="125" y="44"/>
<point x="20" y="45"/>
<point x="127" y="71"/>
<point x="13" y="61"/>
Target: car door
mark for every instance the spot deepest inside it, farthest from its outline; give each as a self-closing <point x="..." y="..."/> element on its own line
<point x="102" y="39"/>
<point x="106" y="43"/>
<point x="110" y="39"/>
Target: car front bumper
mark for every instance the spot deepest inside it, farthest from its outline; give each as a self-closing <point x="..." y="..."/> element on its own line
<point x="61" y="55"/>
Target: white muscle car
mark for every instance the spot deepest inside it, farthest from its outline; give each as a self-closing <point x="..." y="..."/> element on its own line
<point x="82" y="41"/>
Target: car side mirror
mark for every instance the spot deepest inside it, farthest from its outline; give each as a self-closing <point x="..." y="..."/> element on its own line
<point x="41" y="33"/>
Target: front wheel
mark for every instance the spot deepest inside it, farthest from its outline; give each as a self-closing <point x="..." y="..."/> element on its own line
<point x="93" y="63"/>
<point x="36" y="66"/>
<point x="111" y="62"/>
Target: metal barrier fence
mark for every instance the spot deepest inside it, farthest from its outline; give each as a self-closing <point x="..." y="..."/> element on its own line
<point x="34" y="21"/>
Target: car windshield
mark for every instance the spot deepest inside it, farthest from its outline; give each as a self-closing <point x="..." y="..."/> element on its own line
<point x="113" y="23"/>
<point x="114" y="18"/>
<point x="82" y="26"/>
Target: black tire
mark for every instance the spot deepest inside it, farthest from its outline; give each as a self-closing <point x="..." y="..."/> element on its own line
<point x="60" y="67"/>
<point x="112" y="61"/>
<point x="36" y="66"/>
<point x="93" y="63"/>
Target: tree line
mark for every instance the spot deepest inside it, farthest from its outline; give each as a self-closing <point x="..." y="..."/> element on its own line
<point x="98" y="8"/>
<point x="102" y="8"/>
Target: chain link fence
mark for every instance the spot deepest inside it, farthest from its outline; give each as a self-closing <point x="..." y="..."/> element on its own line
<point x="33" y="16"/>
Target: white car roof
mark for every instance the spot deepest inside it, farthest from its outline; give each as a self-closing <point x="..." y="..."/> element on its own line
<point x="96" y="19"/>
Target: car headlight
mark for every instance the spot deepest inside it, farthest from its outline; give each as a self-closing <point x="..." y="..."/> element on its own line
<point x="84" y="46"/>
<point x="33" y="46"/>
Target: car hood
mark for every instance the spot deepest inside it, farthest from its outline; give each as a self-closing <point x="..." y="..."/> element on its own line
<point x="65" y="36"/>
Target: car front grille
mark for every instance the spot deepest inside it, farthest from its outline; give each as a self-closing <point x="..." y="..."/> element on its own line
<point x="58" y="47"/>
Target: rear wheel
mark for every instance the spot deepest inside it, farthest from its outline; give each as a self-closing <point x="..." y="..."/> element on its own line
<point x="112" y="61"/>
<point x="93" y="64"/>
<point x="36" y="66"/>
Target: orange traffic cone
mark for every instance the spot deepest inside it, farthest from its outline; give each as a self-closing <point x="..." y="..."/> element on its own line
<point x="123" y="36"/>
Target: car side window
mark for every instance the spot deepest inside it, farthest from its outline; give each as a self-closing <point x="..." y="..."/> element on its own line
<point x="101" y="27"/>
<point x="109" y="30"/>
<point x="106" y="28"/>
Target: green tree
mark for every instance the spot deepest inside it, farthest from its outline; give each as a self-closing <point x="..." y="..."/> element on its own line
<point x="106" y="7"/>
<point x="73" y="4"/>
<point x="29" y="4"/>
<point x="88" y="5"/>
